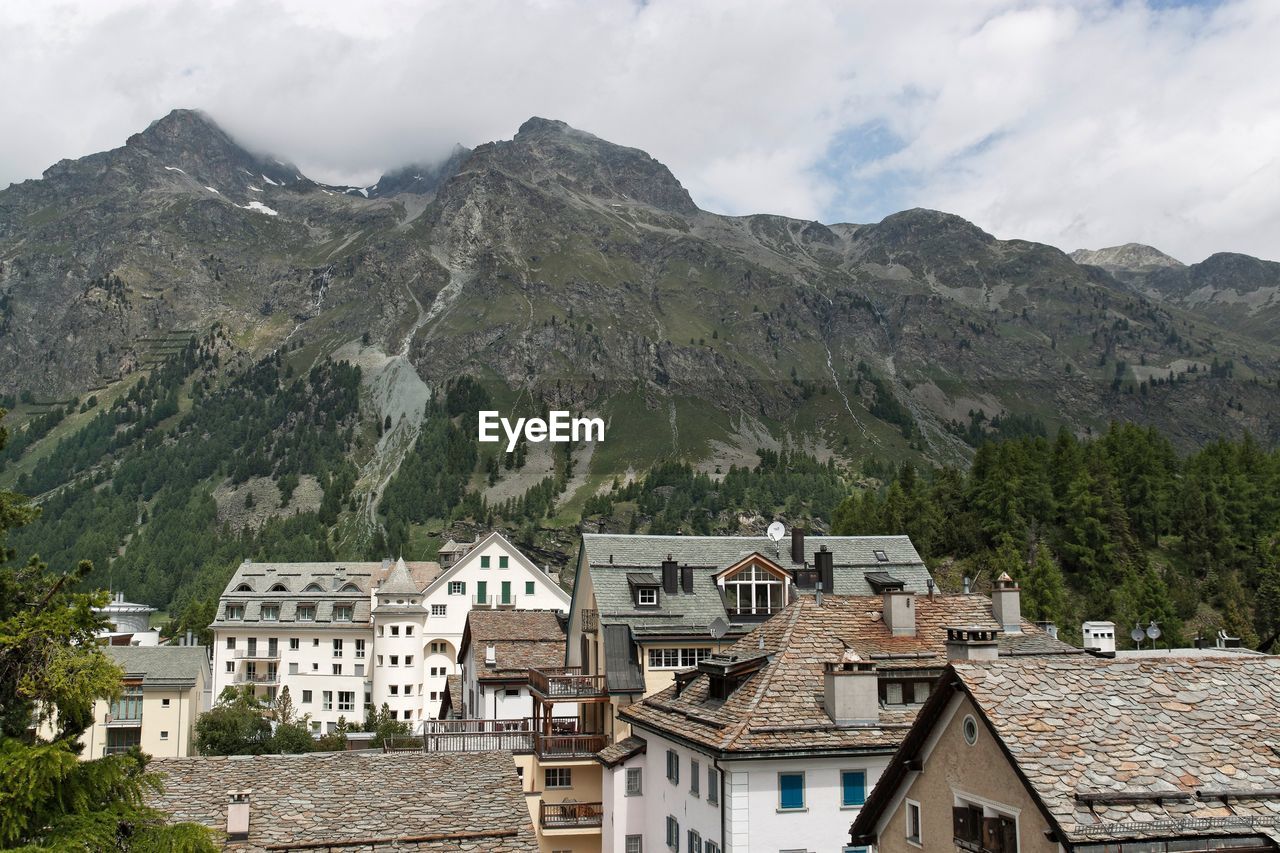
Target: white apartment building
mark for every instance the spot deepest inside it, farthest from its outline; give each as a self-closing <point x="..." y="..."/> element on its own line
<point x="347" y="637"/>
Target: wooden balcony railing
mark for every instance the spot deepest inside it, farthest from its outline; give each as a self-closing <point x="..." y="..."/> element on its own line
<point x="570" y="815"/>
<point x="566" y="682"/>
<point x="515" y="735"/>
<point x="570" y="746"/>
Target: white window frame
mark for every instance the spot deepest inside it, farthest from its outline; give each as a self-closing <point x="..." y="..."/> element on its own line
<point x="563" y="782"/>
<point x="647" y="596"/>
<point x="918" y="839"/>
<point x="636" y="773"/>
<point x="439" y="610"/>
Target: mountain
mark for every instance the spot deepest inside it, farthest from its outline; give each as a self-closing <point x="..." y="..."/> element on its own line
<point x="561" y="270"/>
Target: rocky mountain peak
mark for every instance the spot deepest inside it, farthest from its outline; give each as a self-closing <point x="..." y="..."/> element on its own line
<point x="1129" y="257"/>
<point x="190" y="140"/>
<point x="421" y="177"/>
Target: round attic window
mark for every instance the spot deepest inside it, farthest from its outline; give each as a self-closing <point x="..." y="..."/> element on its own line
<point x="970" y="728"/>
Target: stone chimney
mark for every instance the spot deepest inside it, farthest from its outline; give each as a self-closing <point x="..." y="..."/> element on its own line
<point x="851" y="691"/>
<point x="972" y="643"/>
<point x="669" y="571"/>
<point x="1006" y="604"/>
<point x="900" y="612"/>
<point x="238" y="815"/>
<point x="797" y="545"/>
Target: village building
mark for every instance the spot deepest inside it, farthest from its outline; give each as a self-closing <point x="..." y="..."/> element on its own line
<point x="769" y="744"/>
<point x="1086" y="755"/>
<point x="163" y="691"/>
<point x="402" y="801"/>
<point x="498" y="649"/>
<point x="349" y="637"/>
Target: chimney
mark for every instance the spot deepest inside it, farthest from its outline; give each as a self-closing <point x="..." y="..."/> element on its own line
<point x="238" y="815"/>
<point x="669" y="576"/>
<point x="972" y="643"/>
<point x="966" y="588"/>
<point x="686" y="578"/>
<point x="797" y="545"/>
<point x="900" y="612"/>
<point x="824" y="562"/>
<point x="1006" y="604"/>
<point x="851" y="692"/>
<point x="1048" y="627"/>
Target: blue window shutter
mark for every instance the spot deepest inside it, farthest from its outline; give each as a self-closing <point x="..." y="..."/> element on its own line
<point x="791" y="790"/>
<point x="854" y="785"/>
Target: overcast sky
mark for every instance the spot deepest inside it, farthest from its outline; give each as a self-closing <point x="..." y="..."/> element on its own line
<point x="1082" y="124"/>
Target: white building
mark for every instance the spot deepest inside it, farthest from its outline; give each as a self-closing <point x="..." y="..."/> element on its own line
<point x="129" y="624"/>
<point x="498" y="649"/>
<point x="348" y="637"/>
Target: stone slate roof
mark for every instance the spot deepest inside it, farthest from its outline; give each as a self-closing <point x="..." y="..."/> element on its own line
<point x="399" y="581"/>
<point x="780" y="706"/>
<point x="614" y="560"/>
<point x="320" y="584"/>
<point x="522" y="640"/>
<point x="394" y="801"/>
<point x="618" y="752"/>
<point x="1188" y="727"/>
<point x="163" y="667"/>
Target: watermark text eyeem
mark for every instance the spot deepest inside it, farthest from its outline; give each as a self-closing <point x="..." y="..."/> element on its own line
<point x="560" y="427"/>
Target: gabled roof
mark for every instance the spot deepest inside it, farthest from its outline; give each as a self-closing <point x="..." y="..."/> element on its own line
<point x="776" y="708"/>
<point x="522" y="640"/>
<point x="1118" y="749"/>
<point x="171" y="667"/>
<point x="619" y="751"/>
<point x="399" y="800"/>
<point x="474" y="554"/>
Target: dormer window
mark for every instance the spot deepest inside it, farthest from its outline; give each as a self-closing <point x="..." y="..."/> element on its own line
<point x="647" y="596"/>
<point x="313" y="587"/>
<point x="881" y="556"/>
<point x="342" y="613"/>
<point x="306" y="613"/>
<point x="235" y="611"/>
<point x="270" y="612"/>
<point x="244" y="587"/>
<point x="278" y="588"/>
<point x="349" y="587"/>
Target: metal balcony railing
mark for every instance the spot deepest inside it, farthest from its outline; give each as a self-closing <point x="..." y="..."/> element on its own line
<point x="258" y="678"/>
<point x="570" y="815"/>
<point x="257" y="654"/>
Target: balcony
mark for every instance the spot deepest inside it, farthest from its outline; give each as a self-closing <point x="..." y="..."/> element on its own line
<point x="566" y="683"/>
<point x="570" y="815"/>
<point x="258" y="678"/>
<point x="257" y="654"/>
<point x="117" y="749"/>
<point x="514" y="735"/>
<point x="590" y="621"/>
<point x="491" y="602"/>
<point x="570" y="745"/>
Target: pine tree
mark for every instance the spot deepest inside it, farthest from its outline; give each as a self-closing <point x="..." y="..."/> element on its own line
<point x="1044" y="592"/>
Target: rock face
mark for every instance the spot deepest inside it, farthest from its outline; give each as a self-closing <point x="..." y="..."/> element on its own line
<point x="580" y="273"/>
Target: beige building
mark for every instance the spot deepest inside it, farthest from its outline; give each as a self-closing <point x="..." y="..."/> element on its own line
<point x="1087" y="754"/>
<point x="165" y="689"/>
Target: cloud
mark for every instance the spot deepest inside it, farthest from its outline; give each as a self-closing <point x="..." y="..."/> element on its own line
<point x="1076" y="122"/>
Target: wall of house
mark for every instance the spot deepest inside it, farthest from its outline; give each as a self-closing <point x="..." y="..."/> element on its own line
<point x="400" y="636"/>
<point x="954" y="771"/>
<point x="754" y="811"/>
<point x="662" y="798"/>
<point x="624" y="815"/>
<point x="309" y="667"/>
<point x="166" y="732"/>
<point x="660" y="678"/>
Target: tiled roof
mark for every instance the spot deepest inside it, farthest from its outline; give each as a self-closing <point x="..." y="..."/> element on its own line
<point x="403" y="801"/>
<point x="616" y="562"/>
<point x="398" y="581"/>
<point x="320" y="584"/>
<point x="523" y="639"/>
<point x="1185" y="727"/>
<point x="162" y="666"/>
<point x="780" y="706"/>
<point x="618" y="752"/>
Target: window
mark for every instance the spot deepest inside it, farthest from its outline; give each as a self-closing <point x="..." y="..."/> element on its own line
<point x="437" y="609"/>
<point x="306" y="613"/>
<point x="790" y="791"/>
<point x="129" y="705"/>
<point x="346" y="700"/>
<point x="710" y="847"/>
<point x="529" y="587"/>
<point x="647" y="596"/>
<point x="753" y="591"/>
<point x="673" y="833"/>
<point x="502" y="562"/>
<point x="677" y="658"/>
<point x="881" y="557"/>
<point x="235" y="611"/>
<point x="315" y="667"/>
<point x="337" y="669"/>
<point x="315" y="642"/>
<point x="231" y="642"/>
<point x="695" y="842"/>
<point x="983" y="829"/>
<point x="853" y="788"/>
<point x="306" y="697"/>
<point x="359" y="669"/>
<point x="270" y="612"/>
<point x="327" y="697"/>
<point x="164" y="735"/>
<point x="342" y="613"/>
<point x="635" y="782"/>
<point x="695" y="778"/>
<point x="395" y="630"/>
<point x="457" y="588"/>
<point x="673" y="767"/>
<point x="231" y="666"/>
<point x="970" y="727"/>
<point x="164" y="703"/>
<point x="512" y="691"/>
<point x="395" y="660"/>
<point x="484" y="562"/>
<point x="438" y="648"/>
<point x="408" y="630"/>
<point x="395" y="689"/>
<point x="294" y="644"/>
<point x="913" y="822"/>
<point x="713" y="786"/>
<point x="408" y="660"/>
<point x="635" y="844"/>
<point x="435" y="696"/>
<point x="379" y="660"/>
<point x="337" y="648"/>
<point x="558" y="777"/>
<point x="359" y="649"/>
<point x="315" y="726"/>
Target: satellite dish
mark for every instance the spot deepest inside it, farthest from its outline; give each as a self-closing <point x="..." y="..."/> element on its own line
<point x="1153" y="630"/>
<point x="777" y="531"/>
<point x="719" y="628"/>
<point x="1137" y="634"/>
